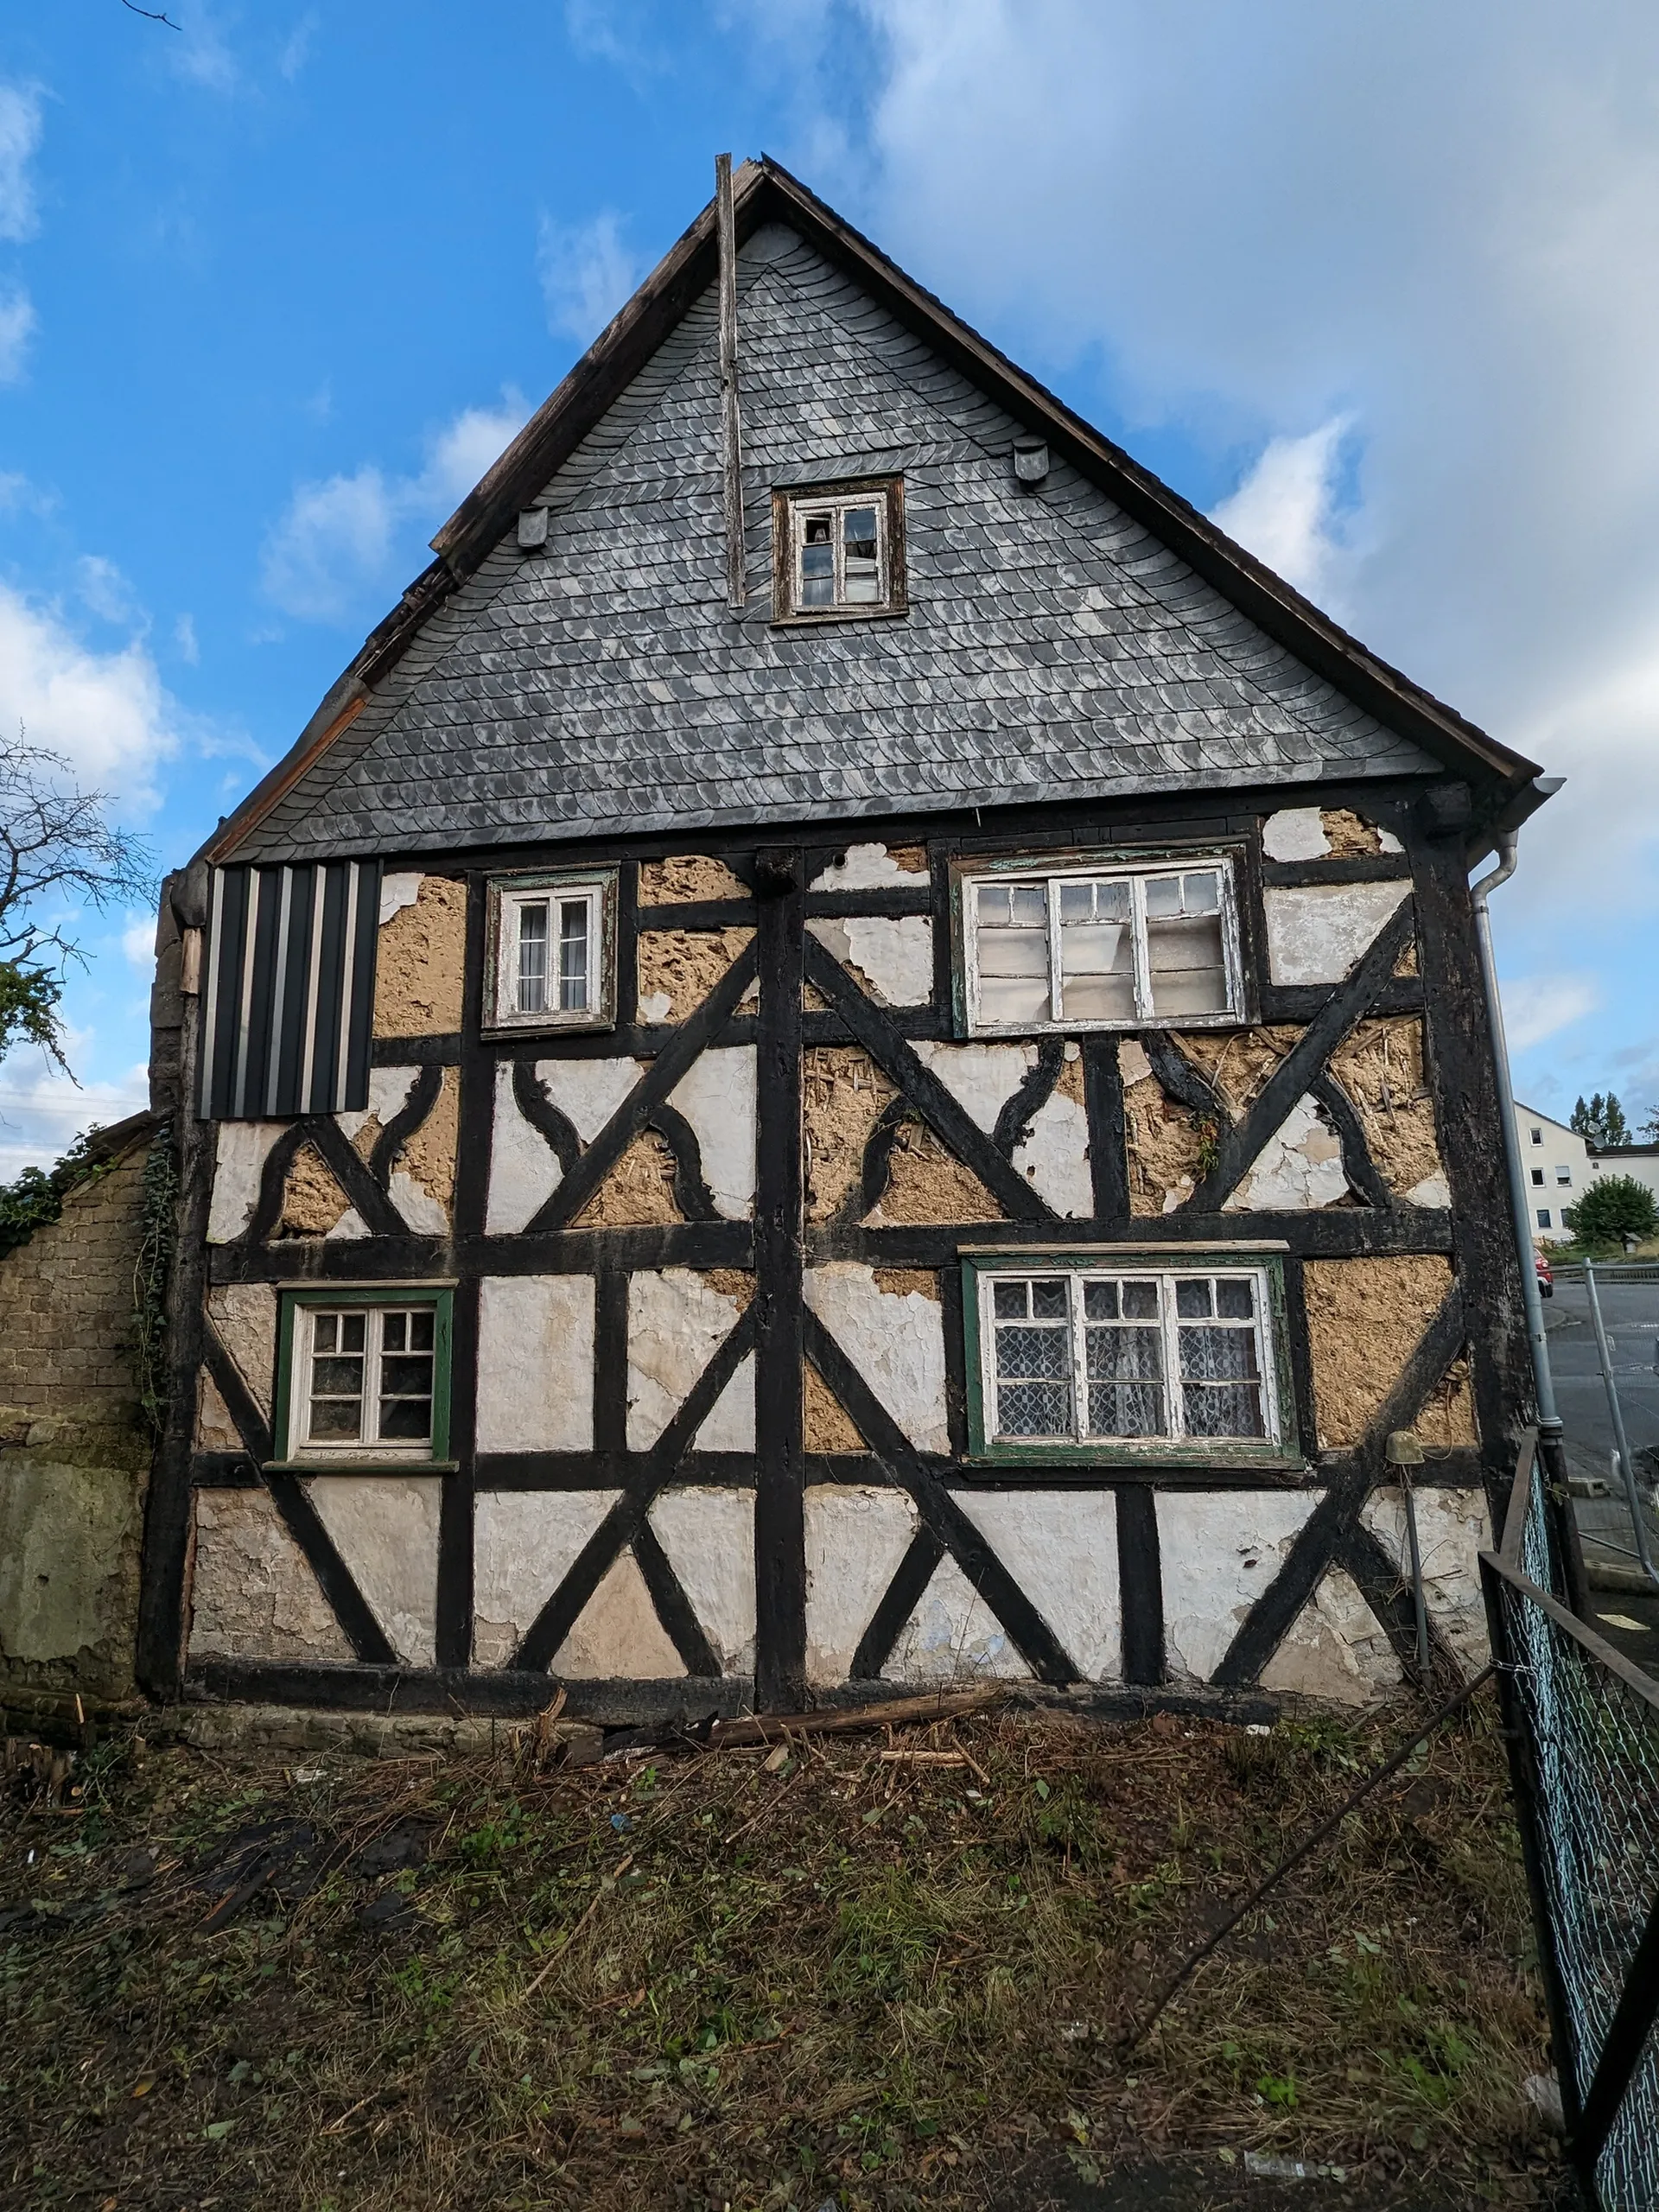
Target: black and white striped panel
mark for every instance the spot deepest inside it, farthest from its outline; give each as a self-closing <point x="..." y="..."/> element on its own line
<point x="289" y="993"/>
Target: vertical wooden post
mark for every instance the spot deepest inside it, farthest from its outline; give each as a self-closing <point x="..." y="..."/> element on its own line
<point x="780" y="1450"/>
<point x="731" y="425"/>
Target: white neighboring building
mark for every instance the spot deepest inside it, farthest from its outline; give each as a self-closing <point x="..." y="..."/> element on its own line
<point x="1639" y="1162"/>
<point x="1557" y="1167"/>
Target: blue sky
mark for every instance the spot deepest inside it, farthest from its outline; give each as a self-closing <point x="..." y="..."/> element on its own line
<point x="1377" y="287"/>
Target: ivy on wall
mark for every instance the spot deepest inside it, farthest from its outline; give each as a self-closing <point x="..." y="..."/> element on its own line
<point x="37" y="1197"/>
<point x="158" y="1216"/>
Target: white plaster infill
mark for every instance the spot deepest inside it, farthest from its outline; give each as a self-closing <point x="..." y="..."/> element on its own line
<point x="1061" y="1547"/>
<point x="717" y="1094"/>
<point x="535" y="1364"/>
<point x="896" y="1342"/>
<point x="241" y="1150"/>
<point x="1453" y="1528"/>
<point x="1298" y="1168"/>
<point x="708" y="1535"/>
<point x="1335" y="1649"/>
<point x="895" y="955"/>
<point x="953" y="1635"/>
<point x="1054" y="1155"/>
<point x="677" y="1322"/>
<point x="1317" y="932"/>
<point x="1220" y="1550"/>
<point x="866" y="867"/>
<point x="524" y="1542"/>
<point x="398" y="890"/>
<point x="857" y="1535"/>
<point x="386" y="1529"/>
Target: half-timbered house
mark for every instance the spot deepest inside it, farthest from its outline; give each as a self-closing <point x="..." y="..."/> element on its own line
<point x="851" y="1053"/>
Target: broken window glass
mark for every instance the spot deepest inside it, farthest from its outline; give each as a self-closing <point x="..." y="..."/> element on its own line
<point x="818" y="560"/>
<point x="1013" y="953"/>
<point x="1096" y="951"/>
<point x="573" y="956"/>
<point x="1185" y="963"/>
<point x="840" y="554"/>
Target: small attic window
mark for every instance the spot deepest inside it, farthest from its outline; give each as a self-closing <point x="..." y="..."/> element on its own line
<point x="552" y="952"/>
<point x="839" y="550"/>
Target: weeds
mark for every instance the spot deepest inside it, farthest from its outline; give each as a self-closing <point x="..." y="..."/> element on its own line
<point x="708" y="1980"/>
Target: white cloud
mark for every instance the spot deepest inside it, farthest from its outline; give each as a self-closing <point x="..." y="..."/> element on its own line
<point x="586" y="275"/>
<point x="1537" y="1007"/>
<point x="297" y="49"/>
<point x="184" y="639"/>
<point x="1284" y="510"/>
<point x="106" y="713"/>
<point x="20" y="139"/>
<point x="17" y="325"/>
<point x="42" y="1113"/>
<point x="106" y="592"/>
<point x="138" y="943"/>
<point x="203" y="54"/>
<point x="341" y="539"/>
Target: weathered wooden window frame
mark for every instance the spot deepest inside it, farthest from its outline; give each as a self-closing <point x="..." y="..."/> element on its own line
<point x="506" y="894"/>
<point x="967" y="878"/>
<point x="789" y="505"/>
<point x="1280" y="1449"/>
<point x="293" y="1370"/>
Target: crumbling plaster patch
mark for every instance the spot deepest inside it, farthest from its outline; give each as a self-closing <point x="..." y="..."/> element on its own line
<point x="1381" y="1066"/>
<point x="896" y="1344"/>
<point x="215" y="1430"/>
<point x="1220" y="1551"/>
<point x="1453" y="1528"/>
<point x="1306" y="833"/>
<point x="708" y="1535"/>
<point x="1054" y="1156"/>
<point x="1317" y="932"/>
<point x="953" y="1634"/>
<point x="637" y="1192"/>
<point x="240" y="1152"/>
<point x="1365" y="1317"/>
<point x="253" y="1594"/>
<point x="421" y="962"/>
<point x="617" y="1633"/>
<point x="928" y="1184"/>
<point x="686" y="878"/>
<point x="893" y="956"/>
<point x="873" y="868"/>
<point x="525" y="1170"/>
<point x="1298" y="1169"/>
<point x="843" y="1095"/>
<point x="312" y="1203"/>
<point x="676" y="1321"/>
<point x="1237" y="1062"/>
<point x="1336" y="1649"/>
<point x="717" y="1094"/>
<point x="825" y="1422"/>
<point x="1162" y="1145"/>
<point x="857" y="1535"/>
<point x="677" y="969"/>
<point x="524" y="1542"/>
<point x="398" y="889"/>
<point x="535" y="1364"/>
<point x="386" y="1529"/>
<point x="244" y="1316"/>
<point x="1061" y="1547"/>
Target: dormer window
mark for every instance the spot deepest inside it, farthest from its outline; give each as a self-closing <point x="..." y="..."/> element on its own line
<point x="839" y="551"/>
<point x="552" y="962"/>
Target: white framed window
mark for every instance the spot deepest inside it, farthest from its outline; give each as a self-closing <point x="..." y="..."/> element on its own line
<point x="363" y="1378"/>
<point x="1127" y="1356"/>
<point x="1543" y="1216"/>
<point x="1537" y="1137"/>
<point x="1134" y="947"/>
<point x="839" y="550"/>
<point x="1538" y="1178"/>
<point x="552" y="952"/>
<point x="1563" y="1174"/>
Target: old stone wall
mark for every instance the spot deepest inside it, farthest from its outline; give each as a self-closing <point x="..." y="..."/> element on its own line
<point x="75" y="1451"/>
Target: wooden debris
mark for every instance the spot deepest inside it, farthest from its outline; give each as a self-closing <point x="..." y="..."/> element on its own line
<point x="848" y="1719"/>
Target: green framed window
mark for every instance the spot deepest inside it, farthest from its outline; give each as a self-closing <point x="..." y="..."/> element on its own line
<point x="363" y="1377"/>
<point x="1128" y="1354"/>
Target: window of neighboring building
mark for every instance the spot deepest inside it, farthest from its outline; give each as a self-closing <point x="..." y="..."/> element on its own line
<point x="1538" y="1177"/>
<point x="364" y="1377"/>
<point x="1131" y="1358"/>
<point x="1563" y="1174"/>
<point x="1537" y="1137"/>
<point x="1124" y="948"/>
<point x="552" y="952"/>
<point x="1543" y="1216"/>
<point x="839" y="550"/>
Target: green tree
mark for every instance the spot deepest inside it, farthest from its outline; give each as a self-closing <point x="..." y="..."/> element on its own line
<point x="1613" y="1208"/>
<point x="58" y="851"/>
<point x="1602" y="1121"/>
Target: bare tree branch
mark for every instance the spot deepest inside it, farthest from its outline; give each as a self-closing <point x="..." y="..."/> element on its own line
<point x="149" y="15"/>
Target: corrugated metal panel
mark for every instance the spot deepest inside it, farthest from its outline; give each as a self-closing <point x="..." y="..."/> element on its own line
<point x="289" y="999"/>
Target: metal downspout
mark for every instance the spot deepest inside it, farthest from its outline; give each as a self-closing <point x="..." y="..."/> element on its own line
<point x="1550" y="1432"/>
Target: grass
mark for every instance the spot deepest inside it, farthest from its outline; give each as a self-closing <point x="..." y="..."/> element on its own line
<point x="718" y="1980"/>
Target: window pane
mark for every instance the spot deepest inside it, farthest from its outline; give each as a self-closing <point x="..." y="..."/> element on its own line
<point x="324" y="1333"/>
<point x="1097" y="952"/>
<point x="573" y="956"/>
<point x="1236" y="1302"/>
<point x="337" y="1378"/>
<point x="1139" y="1301"/>
<point x="335" y="1410"/>
<point x="394" y="1330"/>
<point x="1033" y="1409"/>
<point x="1189" y="974"/>
<point x="1048" y="1301"/>
<point x="1127" y="1409"/>
<point x="817" y="562"/>
<point x="1012" y="953"/>
<point x="406" y="1420"/>
<point x="1009" y="1301"/>
<point x="1217" y="1355"/>
<point x="1224" y="1409"/>
<point x="1192" y="1299"/>
<point x="352" y="1329"/>
<point x="407" y="1375"/>
<point x="1118" y="1355"/>
<point x="1201" y="894"/>
<point x="1023" y="1353"/>
<point x="335" y="1420"/>
<point x="532" y="958"/>
<point x="1100" y="1301"/>
<point x="1163" y="896"/>
<point x="1022" y="952"/>
<point x="861" y="557"/>
<point x="422" y="1329"/>
<point x="1005" y="1003"/>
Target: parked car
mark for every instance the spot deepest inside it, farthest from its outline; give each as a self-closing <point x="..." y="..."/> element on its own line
<point x="1546" y="1280"/>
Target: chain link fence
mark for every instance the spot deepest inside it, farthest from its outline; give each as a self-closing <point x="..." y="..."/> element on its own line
<point x="1584" y="1734"/>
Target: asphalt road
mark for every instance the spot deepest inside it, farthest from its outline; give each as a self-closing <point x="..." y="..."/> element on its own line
<point x="1631" y="1314"/>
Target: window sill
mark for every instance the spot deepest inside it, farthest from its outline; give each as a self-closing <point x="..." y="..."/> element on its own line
<point x="1074" y="1025"/>
<point x="544" y="1025"/>
<point x="374" y="1464"/>
<point x="1162" y="1452"/>
<point x="815" y="618"/>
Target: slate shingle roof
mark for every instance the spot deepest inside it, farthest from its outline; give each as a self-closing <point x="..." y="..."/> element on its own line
<point x="1054" y="647"/>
